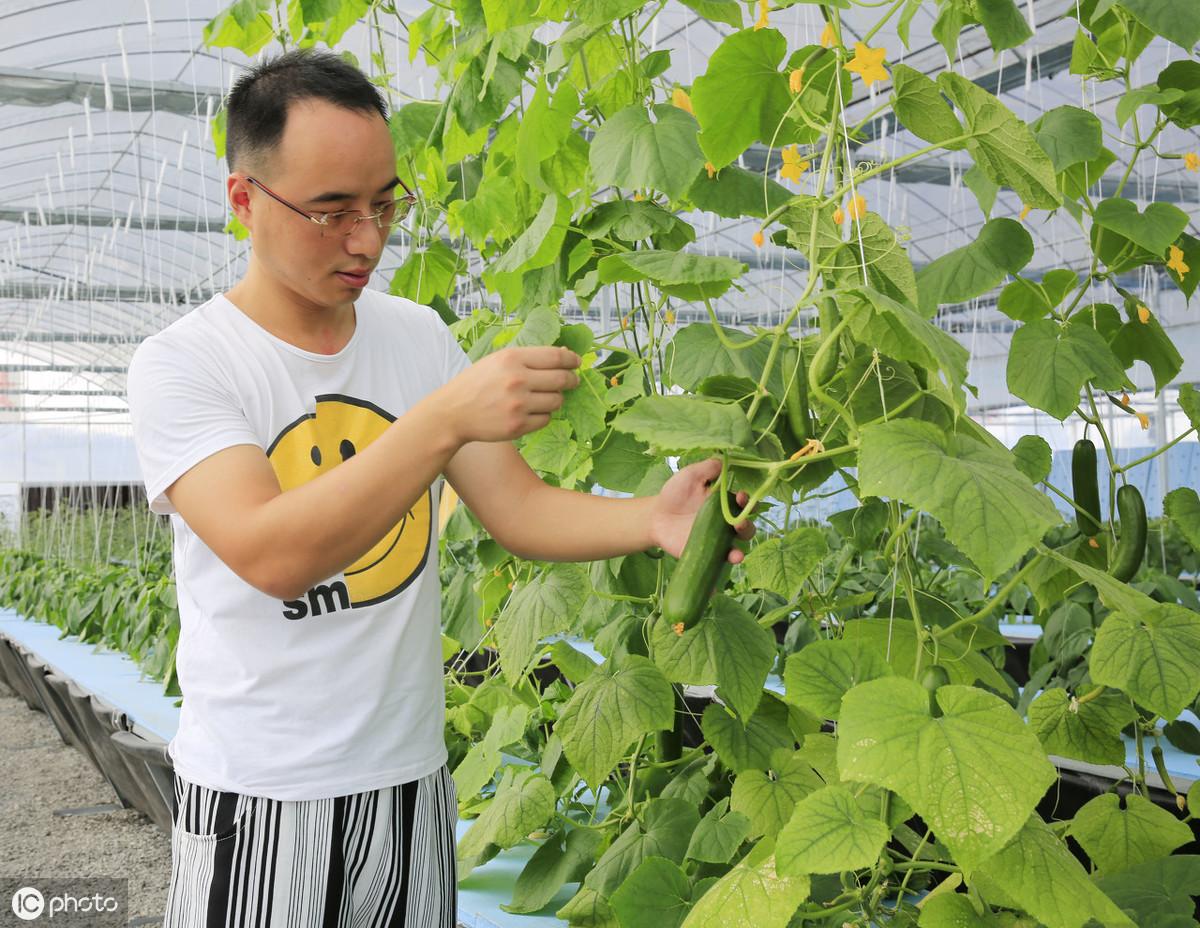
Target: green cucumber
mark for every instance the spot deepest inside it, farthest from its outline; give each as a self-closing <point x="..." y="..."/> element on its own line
<point x="827" y="313"/>
<point x="699" y="566"/>
<point x="1084" y="487"/>
<point x="933" y="678"/>
<point x="670" y="741"/>
<point x="1131" y="546"/>
<point x="796" y="400"/>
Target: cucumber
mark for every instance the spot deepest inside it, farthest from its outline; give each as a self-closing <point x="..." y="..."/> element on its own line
<point x="1131" y="546"/>
<point x="796" y="400"/>
<point x="1084" y="487"/>
<point x="670" y="741"/>
<point x="933" y="678"/>
<point x="707" y="548"/>
<point x="827" y="313"/>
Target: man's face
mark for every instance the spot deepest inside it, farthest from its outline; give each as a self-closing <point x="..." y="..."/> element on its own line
<point x="328" y="159"/>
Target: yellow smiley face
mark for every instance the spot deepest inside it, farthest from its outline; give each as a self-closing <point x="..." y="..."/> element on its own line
<point x="316" y="443"/>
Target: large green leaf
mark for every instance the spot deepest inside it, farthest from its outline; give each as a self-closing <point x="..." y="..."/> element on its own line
<point x="524" y="802"/>
<point x="784" y="562"/>
<point x="1003" y="147"/>
<point x="545" y="606"/>
<point x="1152" y="654"/>
<point x="1038" y="874"/>
<point x="1033" y="457"/>
<point x="1003" y="247"/>
<point x="630" y="150"/>
<point x="476" y="770"/>
<point x="681" y="423"/>
<point x="656" y="895"/>
<point x="974" y="774"/>
<point x="875" y="251"/>
<point x="1117" y="838"/>
<point x="541" y="242"/>
<point x="1158" y="891"/>
<point x="733" y="193"/>
<point x="748" y="746"/>
<point x="902" y="333"/>
<point x="560" y="860"/>
<point x="427" y="274"/>
<point x="1003" y="22"/>
<point x="829" y="832"/>
<point x="1182" y="506"/>
<point x="625" y="698"/>
<point x="1049" y="363"/>
<point x="696" y="353"/>
<point x="1147" y="341"/>
<point x="664" y="830"/>
<point x="922" y="109"/>
<point x="742" y="96"/>
<point x="692" y="277"/>
<point x="477" y="99"/>
<point x="767" y="799"/>
<point x="726" y="647"/>
<point x="988" y="508"/>
<point x="1179" y="22"/>
<point x="751" y="895"/>
<point x="719" y="834"/>
<point x="1090" y="732"/>
<point x="1153" y="230"/>
<point x="820" y="674"/>
<point x="1028" y="300"/>
<point x="1069" y="135"/>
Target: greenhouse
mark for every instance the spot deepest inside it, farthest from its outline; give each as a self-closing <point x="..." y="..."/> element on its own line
<point x="600" y="464"/>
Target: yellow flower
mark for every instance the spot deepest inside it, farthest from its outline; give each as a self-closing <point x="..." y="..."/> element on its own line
<point x="1144" y="420"/>
<point x="793" y="164"/>
<point x="761" y="22"/>
<point x="1124" y="399"/>
<point x="757" y="238"/>
<point x="1025" y="211"/>
<point x="1092" y="543"/>
<point x="858" y="206"/>
<point x="796" y="80"/>
<point x="677" y="628"/>
<point x="612" y="381"/>
<point x="669" y="316"/>
<point x="839" y="216"/>
<point x="637" y="198"/>
<point x="708" y="167"/>
<point x="1191" y="161"/>
<point x="1175" y="262"/>
<point x="867" y="63"/>
<point x="680" y="98"/>
<point x="1143" y="314"/>
<point x="624" y="322"/>
<point x="828" y="36"/>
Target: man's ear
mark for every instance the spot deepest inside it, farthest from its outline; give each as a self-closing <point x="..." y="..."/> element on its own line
<point x="237" y="190"/>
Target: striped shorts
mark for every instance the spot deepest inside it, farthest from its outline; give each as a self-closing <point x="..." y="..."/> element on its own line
<point x="378" y="859"/>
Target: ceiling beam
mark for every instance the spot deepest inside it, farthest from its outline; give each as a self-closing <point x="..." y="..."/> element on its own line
<point x="29" y="87"/>
<point x="87" y="338"/>
<point x="61" y="369"/>
<point x="103" y="293"/>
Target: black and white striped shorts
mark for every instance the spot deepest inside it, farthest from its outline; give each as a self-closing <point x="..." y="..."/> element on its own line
<point x="378" y="859"/>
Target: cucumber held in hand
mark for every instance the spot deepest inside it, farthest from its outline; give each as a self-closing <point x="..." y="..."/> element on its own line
<point x="1085" y="487"/>
<point x="707" y="548"/>
<point x="1131" y="546"/>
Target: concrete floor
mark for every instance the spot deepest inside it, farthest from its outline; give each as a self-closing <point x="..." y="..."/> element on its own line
<point x="40" y="775"/>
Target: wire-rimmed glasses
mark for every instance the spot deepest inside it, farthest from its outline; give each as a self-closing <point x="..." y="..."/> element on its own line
<point x="345" y="221"/>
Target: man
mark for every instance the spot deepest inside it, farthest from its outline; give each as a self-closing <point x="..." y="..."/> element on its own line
<point x="293" y="428"/>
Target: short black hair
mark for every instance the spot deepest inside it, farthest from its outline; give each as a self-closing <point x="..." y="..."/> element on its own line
<point x="256" y="108"/>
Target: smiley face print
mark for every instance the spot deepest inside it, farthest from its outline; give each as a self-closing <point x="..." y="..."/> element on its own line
<point x="317" y="442"/>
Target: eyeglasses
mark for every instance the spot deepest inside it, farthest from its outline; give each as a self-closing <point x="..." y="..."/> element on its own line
<point x="345" y="221"/>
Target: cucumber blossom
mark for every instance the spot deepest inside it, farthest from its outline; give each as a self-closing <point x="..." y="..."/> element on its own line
<point x="1084" y="487"/>
<point x="707" y="548"/>
<point x="1131" y="546"/>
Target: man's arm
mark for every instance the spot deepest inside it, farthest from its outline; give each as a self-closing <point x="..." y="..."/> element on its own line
<point x="536" y="521"/>
<point x="283" y="543"/>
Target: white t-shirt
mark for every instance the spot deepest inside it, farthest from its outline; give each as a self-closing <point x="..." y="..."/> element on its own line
<point x="340" y="691"/>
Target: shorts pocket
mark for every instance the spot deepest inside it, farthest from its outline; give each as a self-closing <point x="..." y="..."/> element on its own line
<point x="212" y="816"/>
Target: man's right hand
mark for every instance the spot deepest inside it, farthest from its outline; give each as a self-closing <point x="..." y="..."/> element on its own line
<point x="509" y="393"/>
